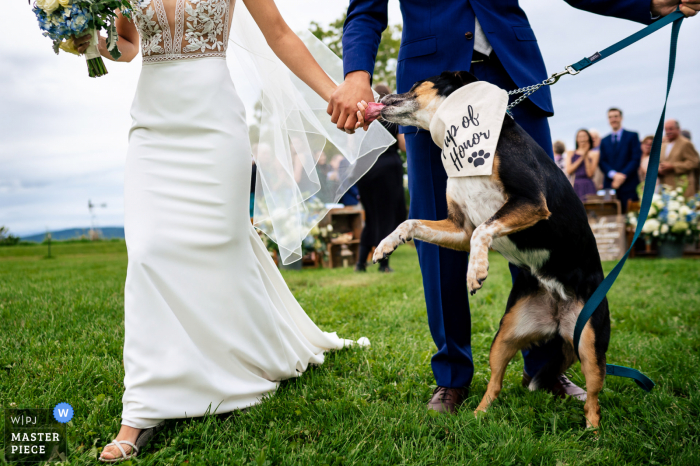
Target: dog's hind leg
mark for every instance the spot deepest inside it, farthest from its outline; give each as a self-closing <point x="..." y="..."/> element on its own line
<point x="593" y="368"/>
<point x="502" y="351"/>
<point x="528" y="319"/>
<point x="454" y="232"/>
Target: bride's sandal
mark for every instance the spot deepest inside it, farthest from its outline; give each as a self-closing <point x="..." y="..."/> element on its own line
<point x="142" y="440"/>
<point x="124" y="455"/>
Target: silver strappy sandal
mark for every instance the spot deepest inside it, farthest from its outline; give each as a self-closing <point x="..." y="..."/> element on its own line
<point x="142" y="440"/>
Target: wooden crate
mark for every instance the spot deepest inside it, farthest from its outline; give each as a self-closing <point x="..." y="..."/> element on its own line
<point x="345" y="220"/>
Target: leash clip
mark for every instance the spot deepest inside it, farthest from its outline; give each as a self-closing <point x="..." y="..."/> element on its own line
<point x="555" y="77"/>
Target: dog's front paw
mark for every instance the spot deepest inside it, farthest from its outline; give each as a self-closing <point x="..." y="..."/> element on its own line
<point x="403" y="233"/>
<point x="476" y="274"/>
<point x="386" y="247"/>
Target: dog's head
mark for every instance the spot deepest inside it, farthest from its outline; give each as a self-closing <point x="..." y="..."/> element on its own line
<point x="417" y="106"/>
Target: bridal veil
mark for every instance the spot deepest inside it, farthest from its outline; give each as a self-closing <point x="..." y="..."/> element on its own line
<point x="293" y="188"/>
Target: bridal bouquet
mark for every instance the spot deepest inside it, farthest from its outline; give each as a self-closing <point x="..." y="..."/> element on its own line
<point x="62" y="20"/>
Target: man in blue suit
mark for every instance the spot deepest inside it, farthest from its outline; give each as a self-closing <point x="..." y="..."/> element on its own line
<point x="493" y="40"/>
<point x="620" y="154"/>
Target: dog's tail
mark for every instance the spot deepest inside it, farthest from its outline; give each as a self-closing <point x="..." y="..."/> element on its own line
<point x="560" y="360"/>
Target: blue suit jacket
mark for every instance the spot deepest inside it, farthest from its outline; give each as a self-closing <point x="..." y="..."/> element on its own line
<point x="434" y="37"/>
<point x="622" y="157"/>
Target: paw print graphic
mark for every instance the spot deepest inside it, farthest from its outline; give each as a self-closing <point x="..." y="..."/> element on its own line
<point x="478" y="158"/>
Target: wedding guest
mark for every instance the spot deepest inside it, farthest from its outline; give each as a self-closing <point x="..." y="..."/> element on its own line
<point x="598" y="176"/>
<point x="620" y="152"/>
<point x="582" y="163"/>
<point x="646" y="152"/>
<point x="678" y="158"/>
<point x="559" y="148"/>
<point x="382" y="196"/>
<point x="595" y="134"/>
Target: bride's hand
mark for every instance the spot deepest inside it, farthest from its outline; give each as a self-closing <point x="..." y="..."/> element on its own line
<point x="82" y="43"/>
<point x="362" y="105"/>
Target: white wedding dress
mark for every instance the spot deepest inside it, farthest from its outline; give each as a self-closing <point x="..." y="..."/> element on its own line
<point x="210" y="323"/>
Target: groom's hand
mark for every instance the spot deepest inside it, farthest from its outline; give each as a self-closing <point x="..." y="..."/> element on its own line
<point x="666" y="7"/>
<point x="343" y="104"/>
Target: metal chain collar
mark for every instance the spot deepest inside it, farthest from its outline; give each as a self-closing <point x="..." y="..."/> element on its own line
<point x="529" y="90"/>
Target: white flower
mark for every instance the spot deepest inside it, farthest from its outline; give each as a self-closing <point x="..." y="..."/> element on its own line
<point x="656" y="197"/>
<point x="664" y="229"/>
<point x="659" y="204"/>
<point x="687" y="232"/>
<point x="633" y="221"/>
<point x="79" y="21"/>
<point x="330" y="227"/>
<point x="674" y="205"/>
<point x="679" y="189"/>
<point x="655" y="233"/>
<point x="680" y="199"/>
<point x="652" y="211"/>
<point x="49" y="6"/>
<point x="65" y="3"/>
<point x="672" y="217"/>
<point x="650" y="225"/>
<point x="684" y="210"/>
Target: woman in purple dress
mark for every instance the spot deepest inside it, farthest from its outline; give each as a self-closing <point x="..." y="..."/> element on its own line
<point x="582" y="163"/>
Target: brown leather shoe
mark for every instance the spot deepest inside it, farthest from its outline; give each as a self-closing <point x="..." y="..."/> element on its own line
<point x="562" y="388"/>
<point x="447" y="400"/>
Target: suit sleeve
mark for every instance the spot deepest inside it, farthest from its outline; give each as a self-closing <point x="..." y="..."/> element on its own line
<point x="689" y="160"/>
<point x="632" y="164"/>
<point x="603" y="162"/>
<point x="362" y="33"/>
<point x="633" y="10"/>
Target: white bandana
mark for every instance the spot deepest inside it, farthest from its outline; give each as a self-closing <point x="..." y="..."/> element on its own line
<point x="467" y="126"/>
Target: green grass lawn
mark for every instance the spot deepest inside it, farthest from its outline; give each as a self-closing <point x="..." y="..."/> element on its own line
<point x="61" y="333"/>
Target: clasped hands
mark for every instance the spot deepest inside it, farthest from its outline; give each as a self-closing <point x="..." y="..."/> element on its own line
<point x="349" y="100"/>
<point x="617" y="180"/>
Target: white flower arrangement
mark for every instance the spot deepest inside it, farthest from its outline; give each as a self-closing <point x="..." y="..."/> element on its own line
<point x="672" y="217"/>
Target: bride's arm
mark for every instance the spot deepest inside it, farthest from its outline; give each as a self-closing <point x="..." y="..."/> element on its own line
<point x="128" y="42"/>
<point x="289" y="48"/>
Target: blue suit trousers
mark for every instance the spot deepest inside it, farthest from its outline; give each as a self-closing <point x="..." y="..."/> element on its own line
<point x="444" y="270"/>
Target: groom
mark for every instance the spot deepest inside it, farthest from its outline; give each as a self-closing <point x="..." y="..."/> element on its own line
<point x="494" y="41"/>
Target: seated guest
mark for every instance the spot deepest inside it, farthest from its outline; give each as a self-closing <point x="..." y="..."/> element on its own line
<point x="678" y="158"/>
<point x="620" y="152"/>
<point x="581" y="164"/>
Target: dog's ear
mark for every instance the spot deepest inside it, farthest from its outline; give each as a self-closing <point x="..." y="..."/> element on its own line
<point x="465" y="77"/>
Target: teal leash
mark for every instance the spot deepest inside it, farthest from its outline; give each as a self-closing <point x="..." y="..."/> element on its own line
<point x="644" y="382"/>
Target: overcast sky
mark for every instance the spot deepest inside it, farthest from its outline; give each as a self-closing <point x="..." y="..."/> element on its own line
<point x="63" y="136"/>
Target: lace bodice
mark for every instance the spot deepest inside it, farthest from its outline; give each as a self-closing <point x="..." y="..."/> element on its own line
<point x="201" y="29"/>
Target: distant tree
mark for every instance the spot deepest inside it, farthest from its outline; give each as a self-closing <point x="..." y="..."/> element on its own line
<point x="7" y="239"/>
<point x="387" y="55"/>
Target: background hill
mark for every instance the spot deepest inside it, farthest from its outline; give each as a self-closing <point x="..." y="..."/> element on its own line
<point x="75" y="233"/>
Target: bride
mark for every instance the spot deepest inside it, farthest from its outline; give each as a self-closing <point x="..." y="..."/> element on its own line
<point x="210" y="324"/>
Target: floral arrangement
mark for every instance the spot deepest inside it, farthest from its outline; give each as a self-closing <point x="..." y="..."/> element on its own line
<point x="64" y="20"/>
<point x="318" y="239"/>
<point x="672" y="217"/>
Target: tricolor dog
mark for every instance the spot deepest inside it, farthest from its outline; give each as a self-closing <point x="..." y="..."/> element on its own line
<point x="504" y="192"/>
